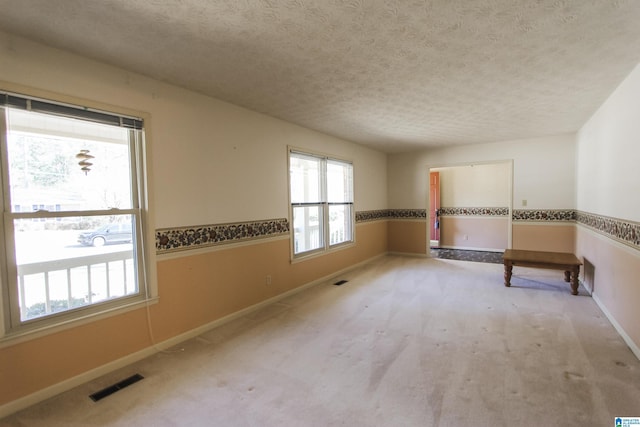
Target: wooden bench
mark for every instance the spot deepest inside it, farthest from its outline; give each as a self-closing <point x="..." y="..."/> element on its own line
<point x="537" y="259"/>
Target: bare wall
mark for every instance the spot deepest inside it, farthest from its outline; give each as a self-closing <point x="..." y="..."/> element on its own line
<point x="608" y="178"/>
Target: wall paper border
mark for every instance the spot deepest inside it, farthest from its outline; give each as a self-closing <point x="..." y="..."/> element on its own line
<point x="366" y="216"/>
<point x="475" y="211"/>
<point x="174" y="239"/>
<point x="626" y="232"/>
<point x="407" y="213"/>
<point x="183" y="238"/>
<point x="544" y="215"/>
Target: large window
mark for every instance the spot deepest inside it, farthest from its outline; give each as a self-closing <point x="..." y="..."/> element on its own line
<point x="321" y="194"/>
<point x="72" y="186"/>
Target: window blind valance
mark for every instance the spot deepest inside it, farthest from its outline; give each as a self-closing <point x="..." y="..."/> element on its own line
<point x="37" y="105"/>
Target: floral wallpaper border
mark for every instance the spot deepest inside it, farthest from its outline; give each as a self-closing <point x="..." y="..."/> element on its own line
<point x="407" y="213"/>
<point x="475" y="211"/>
<point x="544" y="215"/>
<point x="181" y="238"/>
<point x="364" y="216"/>
<point x="626" y="232"/>
<point x="173" y="239"/>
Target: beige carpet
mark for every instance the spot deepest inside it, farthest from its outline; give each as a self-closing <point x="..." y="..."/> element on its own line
<point x="406" y="342"/>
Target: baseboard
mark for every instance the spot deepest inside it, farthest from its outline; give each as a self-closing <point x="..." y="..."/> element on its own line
<point x="409" y="254"/>
<point x="627" y="339"/>
<point x="68" y="384"/>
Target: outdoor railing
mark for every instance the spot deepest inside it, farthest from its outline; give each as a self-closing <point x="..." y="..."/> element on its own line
<point x="94" y="264"/>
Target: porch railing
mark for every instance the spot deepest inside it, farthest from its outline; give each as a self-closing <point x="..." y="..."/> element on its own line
<point x="94" y="264"/>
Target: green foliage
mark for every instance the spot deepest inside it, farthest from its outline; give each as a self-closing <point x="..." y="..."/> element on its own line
<point x="39" y="162"/>
<point x="39" y="309"/>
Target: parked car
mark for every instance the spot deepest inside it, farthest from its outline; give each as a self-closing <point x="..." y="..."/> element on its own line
<point x="110" y="233"/>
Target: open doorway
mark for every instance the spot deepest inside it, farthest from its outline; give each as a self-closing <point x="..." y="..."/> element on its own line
<point x="434" y="209"/>
<point x="470" y="206"/>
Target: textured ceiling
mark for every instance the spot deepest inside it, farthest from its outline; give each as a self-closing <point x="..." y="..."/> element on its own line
<point x="395" y="75"/>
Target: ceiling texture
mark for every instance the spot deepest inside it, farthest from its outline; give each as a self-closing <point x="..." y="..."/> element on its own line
<point x="397" y="75"/>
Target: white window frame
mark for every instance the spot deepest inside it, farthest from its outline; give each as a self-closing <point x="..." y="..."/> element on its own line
<point x="11" y="325"/>
<point x="324" y="205"/>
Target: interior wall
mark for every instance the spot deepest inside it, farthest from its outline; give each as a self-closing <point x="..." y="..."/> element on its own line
<point x="209" y="163"/>
<point x="543" y="171"/>
<point x="475" y="202"/>
<point x="484" y="185"/>
<point x="608" y="177"/>
<point x="543" y="183"/>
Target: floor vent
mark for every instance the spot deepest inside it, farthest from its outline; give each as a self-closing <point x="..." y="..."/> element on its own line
<point x="116" y="387"/>
<point x="341" y="282"/>
<point x="589" y="275"/>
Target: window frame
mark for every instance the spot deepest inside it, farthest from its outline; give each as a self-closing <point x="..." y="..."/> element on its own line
<point x="323" y="203"/>
<point x="11" y="324"/>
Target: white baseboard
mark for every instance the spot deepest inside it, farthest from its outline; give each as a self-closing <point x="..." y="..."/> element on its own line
<point x="68" y="384"/>
<point x="627" y="339"/>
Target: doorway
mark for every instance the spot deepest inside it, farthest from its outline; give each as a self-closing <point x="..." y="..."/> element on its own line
<point x="434" y="209"/>
<point x="470" y="205"/>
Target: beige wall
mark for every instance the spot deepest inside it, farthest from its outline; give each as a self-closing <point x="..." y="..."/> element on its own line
<point x="478" y="233"/>
<point x="407" y="237"/>
<point x="194" y="290"/>
<point x="608" y="187"/>
<point x="544" y="237"/>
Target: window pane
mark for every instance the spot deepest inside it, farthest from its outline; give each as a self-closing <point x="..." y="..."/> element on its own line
<point x="339" y="224"/>
<point x="339" y="182"/>
<point x="305" y="179"/>
<point x="69" y="262"/>
<point x="44" y="170"/>
<point x="307" y="228"/>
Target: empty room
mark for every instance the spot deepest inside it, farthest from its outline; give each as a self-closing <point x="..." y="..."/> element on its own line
<point x="307" y="213"/>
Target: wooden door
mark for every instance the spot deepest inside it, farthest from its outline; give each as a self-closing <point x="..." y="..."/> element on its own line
<point x="434" y="208"/>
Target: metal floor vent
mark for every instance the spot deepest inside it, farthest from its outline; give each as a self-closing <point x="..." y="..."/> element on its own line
<point x="341" y="282"/>
<point x="107" y="391"/>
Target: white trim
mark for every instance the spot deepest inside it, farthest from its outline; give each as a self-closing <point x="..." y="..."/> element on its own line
<point x="68" y="384"/>
<point x="627" y="339"/>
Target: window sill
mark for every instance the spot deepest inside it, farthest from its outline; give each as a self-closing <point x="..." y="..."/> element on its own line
<point x="316" y="254"/>
<point x="19" y="336"/>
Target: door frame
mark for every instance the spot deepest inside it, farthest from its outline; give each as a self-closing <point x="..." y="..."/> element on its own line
<point x="435" y="166"/>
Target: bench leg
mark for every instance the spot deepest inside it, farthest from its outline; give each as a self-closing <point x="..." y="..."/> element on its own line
<point x="508" y="268"/>
<point x="567" y="276"/>
<point x="574" y="280"/>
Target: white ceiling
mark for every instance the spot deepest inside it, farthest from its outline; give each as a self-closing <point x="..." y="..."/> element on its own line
<point x="395" y="75"/>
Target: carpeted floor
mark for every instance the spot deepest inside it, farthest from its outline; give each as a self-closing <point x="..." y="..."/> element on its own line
<point x="405" y="342"/>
